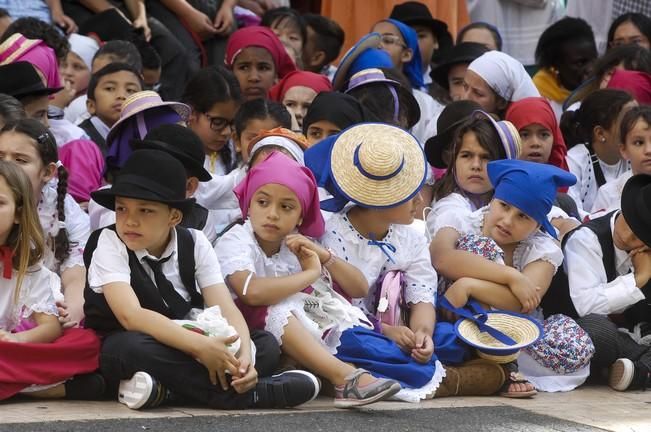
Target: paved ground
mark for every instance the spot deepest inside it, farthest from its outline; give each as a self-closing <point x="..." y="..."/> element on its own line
<point x="587" y="409"/>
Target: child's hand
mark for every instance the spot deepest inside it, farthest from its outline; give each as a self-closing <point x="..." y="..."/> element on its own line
<point x="424" y="347"/>
<point x="526" y="292"/>
<point x="214" y="355"/>
<point x="8" y="337"/>
<point x="296" y="241"/>
<point x="201" y="24"/>
<point x="308" y="259"/>
<point x="401" y="335"/>
<point x="247" y="377"/>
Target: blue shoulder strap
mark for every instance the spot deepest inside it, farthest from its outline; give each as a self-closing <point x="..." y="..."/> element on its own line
<point x="479" y="316"/>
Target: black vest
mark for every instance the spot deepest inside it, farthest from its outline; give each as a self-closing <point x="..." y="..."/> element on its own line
<point x="99" y="316"/>
<point x="557" y="299"/>
<point x="94" y="135"/>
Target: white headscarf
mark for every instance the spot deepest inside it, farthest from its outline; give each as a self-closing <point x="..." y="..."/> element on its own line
<point x="505" y="75"/>
<point x="84" y="47"/>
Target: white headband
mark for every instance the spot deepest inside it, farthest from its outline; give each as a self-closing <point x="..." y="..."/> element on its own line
<point x="294" y="149"/>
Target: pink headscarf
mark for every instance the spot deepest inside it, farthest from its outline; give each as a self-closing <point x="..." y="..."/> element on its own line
<point x="317" y="82"/>
<point x="282" y="170"/>
<point x="261" y="37"/>
<point x="636" y="83"/>
<point x="85" y="164"/>
<point x="34" y="51"/>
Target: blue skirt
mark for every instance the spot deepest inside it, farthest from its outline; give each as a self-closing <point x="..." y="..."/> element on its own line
<point x="383" y="357"/>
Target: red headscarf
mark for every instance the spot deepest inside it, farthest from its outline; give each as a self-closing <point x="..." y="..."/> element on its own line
<point x="536" y="110"/>
<point x="636" y="83"/>
<point x="316" y="82"/>
<point x="261" y="37"/>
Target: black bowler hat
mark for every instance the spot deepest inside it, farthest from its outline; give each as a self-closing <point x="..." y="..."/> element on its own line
<point x="636" y="206"/>
<point x="20" y="79"/>
<point x="452" y="116"/>
<point x="182" y="143"/>
<point x="416" y="13"/>
<point x="464" y="52"/>
<point x="148" y="175"/>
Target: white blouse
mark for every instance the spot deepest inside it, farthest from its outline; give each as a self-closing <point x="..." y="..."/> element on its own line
<point x="411" y="256"/>
<point x="76" y="223"/>
<point x="238" y="250"/>
<point x="609" y="196"/>
<point x="217" y="196"/>
<point x="36" y="295"/>
<point x="585" y="190"/>
<point x="539" y="246"/>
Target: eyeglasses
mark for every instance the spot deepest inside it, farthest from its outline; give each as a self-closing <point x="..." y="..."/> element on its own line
<point x="218" y="124"/>
<point x="390" y="39"/>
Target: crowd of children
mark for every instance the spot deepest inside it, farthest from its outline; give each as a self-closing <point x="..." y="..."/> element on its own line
<point x="197" y="207"/>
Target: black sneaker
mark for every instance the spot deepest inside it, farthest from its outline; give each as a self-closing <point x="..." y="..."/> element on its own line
<point x="285" y="390"/>
<point x="142" y="391"/>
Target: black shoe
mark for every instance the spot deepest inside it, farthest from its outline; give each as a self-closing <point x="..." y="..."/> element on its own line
<point x="142" y="391"/>
<point x="287" y="389"/>
<point x="641" y="378"/>
<point x="86" y="387"/>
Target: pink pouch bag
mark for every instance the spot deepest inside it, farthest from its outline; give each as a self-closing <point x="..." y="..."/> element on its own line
<point x="391" y="308"/>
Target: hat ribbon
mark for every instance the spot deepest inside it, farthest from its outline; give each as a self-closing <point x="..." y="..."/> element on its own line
<point x="367" y="174"/>
<point x="385" y="247"/>
<point x="480" y="319"/>
<point x="6" y="254"/>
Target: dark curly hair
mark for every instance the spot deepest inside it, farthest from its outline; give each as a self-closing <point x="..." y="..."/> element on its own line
<point x="548" y="50"/>
<point x="34" y="28"/>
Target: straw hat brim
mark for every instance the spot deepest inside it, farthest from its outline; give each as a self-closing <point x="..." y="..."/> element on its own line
<point x="371" y="40"/>
<point x="367" y="192"/>
<point x="524" y="330"/>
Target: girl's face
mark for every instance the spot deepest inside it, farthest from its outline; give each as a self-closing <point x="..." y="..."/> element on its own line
<point x="470" y="166"/>
<point x="628" y="33"/>
<point x="405" y="213"/>
<point x="507" y="224"/>
<point x="481" y="36"/>
<point x="214" y="126"/>
<point x="8" y="215"/>
<point x="321" y="129"/>
<point x="637" y="147"/>
<point x="393" y="43"/>
<point x="74" y="70"/>
<point x="275" y="212"/>
<point x="255" y="70"/>
<point x="297" y="100"/>
<point x="252" y="129"/>
<point x="21" y="149"/>
<point x="537" y="142"/>
<point x="477" y="89"/>
<point x="610" y="137"/>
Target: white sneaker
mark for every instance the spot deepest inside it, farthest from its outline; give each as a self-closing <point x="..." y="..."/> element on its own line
<point x="621" y="374"/>
<point x="141" y="391"/>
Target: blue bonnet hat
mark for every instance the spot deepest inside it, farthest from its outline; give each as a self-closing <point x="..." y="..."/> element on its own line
<point x="414" y="69"/>
<point x="529" y="186"/>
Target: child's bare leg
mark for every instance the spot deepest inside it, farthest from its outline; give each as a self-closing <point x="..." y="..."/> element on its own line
<point x="301" y="345"/>
<point x="56" y="392"/>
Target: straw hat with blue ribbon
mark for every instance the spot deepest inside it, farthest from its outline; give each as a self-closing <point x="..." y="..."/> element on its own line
<point x="377" y="165"/>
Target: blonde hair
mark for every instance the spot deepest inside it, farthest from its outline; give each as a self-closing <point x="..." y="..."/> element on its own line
<point x="26" y="237"/>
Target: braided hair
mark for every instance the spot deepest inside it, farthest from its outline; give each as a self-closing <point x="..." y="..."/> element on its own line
<point x="47" y="150"/>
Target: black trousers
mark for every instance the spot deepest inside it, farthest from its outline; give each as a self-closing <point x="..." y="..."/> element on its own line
<point x="611" y="344"/>
<point x="125" y="353"/>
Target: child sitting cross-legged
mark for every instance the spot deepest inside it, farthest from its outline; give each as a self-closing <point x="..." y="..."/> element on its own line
<point x="146" y="271"/>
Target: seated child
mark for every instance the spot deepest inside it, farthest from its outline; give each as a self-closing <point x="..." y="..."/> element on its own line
<point x="380" y="170"/>
<point x="635" y="147"/>
<point x="107" y="90"/>
<point x="276" y="277"/>
<point x="608" y="268"/>
<point x="38" y="359"/>
<point x="145" y="272"/>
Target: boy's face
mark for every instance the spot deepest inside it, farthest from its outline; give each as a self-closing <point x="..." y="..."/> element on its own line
<point x="144" y="224"/>
<point x="623" y="237"/>
<point x="110" y="93"/>
<point x="36" y="108"/>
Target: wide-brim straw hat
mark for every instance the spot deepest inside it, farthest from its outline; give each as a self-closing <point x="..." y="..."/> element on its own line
<point x="371" y="40"/>
<point x="377" y="165"/>
<point x="522" y="329"/>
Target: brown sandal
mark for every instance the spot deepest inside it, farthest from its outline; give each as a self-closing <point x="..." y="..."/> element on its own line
<point x="515" y="377"/>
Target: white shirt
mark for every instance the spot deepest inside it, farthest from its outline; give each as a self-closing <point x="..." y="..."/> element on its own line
<point x="589" y="289"/>
<point x="110" y="263"/>
<point x="609" y="196"/>
<point x="36" y="295"/>
<point x="429" y="114"/>
<point x="76" y="111"/>
<point x="76" y="223"/>
<point x="411" y="257"/>
<point x="217" y="196"/>
<point x="585" y="190"/>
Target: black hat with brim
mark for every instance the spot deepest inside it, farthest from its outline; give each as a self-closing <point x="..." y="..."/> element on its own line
<point x="452" y="116"/>
<point x="465" y="52"/>
<point x="20" y="79"/>
<point x="149" y="175"/>
<point x="416" y="13"/>
<point x="636" y="206"/>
